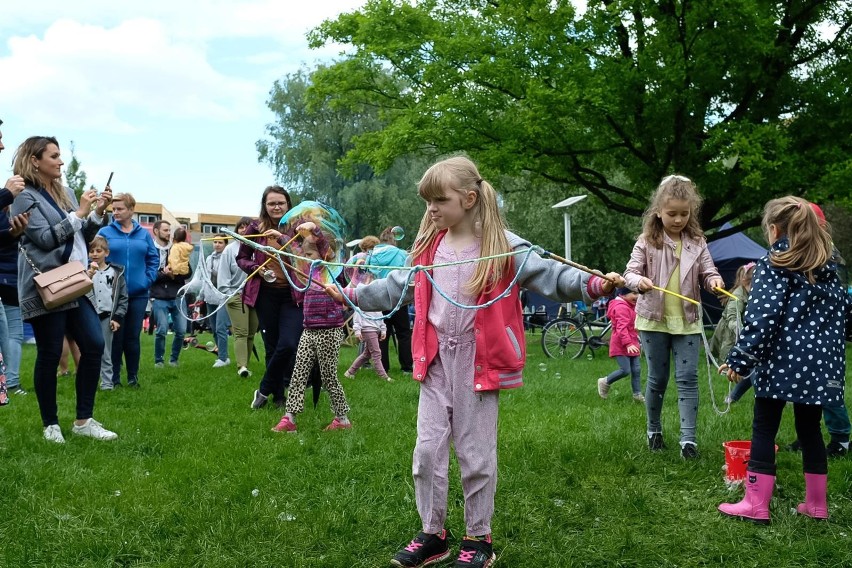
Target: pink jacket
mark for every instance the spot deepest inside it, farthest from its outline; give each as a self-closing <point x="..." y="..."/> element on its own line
<point x="696" y="269"/>
<point x="622" y="314"/>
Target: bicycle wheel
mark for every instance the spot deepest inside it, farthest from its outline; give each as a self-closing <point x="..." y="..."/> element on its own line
<point x="563" y="338"/>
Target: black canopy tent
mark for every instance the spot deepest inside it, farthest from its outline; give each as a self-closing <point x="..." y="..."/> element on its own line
<point x="729" y="253"/>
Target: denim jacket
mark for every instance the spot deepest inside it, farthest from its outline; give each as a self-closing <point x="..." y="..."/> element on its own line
<point x="696" y="269"/>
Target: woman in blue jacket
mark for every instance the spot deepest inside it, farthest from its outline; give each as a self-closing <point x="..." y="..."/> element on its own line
<point x="130" y="245"/>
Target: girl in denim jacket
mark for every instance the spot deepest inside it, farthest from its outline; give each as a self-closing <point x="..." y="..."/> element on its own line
<point x="464" y="357"/>
<point x="671" y="253"/>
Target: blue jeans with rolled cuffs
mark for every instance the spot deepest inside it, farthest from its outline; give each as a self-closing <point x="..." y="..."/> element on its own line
<point x="162" y="310"/>
<point x="660" y="349"/>
<point x="627" y="365"/>
<point x="12" y="349"/>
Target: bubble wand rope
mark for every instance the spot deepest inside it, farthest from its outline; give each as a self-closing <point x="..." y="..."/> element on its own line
<point x="419" y="268"/>
<point x="268" y="260"/>
<point x="578" y="266"/>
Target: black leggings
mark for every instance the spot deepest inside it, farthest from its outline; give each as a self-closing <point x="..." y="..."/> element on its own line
<point x="767" y="419"/>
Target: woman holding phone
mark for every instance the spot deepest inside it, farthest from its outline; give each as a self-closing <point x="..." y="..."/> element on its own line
<point x="59" y="228"/>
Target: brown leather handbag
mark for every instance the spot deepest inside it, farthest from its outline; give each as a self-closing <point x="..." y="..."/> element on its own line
<point x="61" y="285"/>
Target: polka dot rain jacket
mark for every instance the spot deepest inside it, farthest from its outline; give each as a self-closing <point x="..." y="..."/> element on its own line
<point x="794" y="332"/>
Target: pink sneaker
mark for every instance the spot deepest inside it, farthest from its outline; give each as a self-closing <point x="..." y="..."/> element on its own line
<point x="286" y="425"/>
<point x="336" y="425"/>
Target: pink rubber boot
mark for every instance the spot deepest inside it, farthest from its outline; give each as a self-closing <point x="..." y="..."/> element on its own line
<point x="755" y="504"/>
<point x="816" y="503"/>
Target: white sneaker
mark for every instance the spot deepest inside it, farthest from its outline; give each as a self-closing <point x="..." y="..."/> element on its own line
<point x="219" y="363"/>
<point x="244" y="372"/>
<point x="53" y="433"/>
<point x="94" y="429"/>
<point x="603" y="388"/>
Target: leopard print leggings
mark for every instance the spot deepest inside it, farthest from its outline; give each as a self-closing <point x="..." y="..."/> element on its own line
<point x="322" y="345"/>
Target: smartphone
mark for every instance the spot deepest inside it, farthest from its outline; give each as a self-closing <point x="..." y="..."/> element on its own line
<point x="109" y="180"/>
<point x="32" y="206"/>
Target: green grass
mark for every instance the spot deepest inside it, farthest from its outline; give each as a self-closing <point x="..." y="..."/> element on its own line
<point x="577" y="486"/>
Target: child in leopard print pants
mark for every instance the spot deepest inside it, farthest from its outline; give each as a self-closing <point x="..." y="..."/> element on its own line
<point x="320" y="341"/>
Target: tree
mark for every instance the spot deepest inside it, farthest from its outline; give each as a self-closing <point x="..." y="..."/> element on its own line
<point x="74" y="175"/>
<point x="306" y="143"/>
<point x="747" y="98"/>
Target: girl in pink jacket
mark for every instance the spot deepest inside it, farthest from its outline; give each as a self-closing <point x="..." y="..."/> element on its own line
<point x="671" y="253"/>
<point x="623" y="344"/>
<point x="463" y="357"/>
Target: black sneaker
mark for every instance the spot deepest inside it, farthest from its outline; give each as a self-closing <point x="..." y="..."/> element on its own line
<point x="425" y="549"/>
<point x="475" y="553"/>
<point x="18" y="391"/>
<point x="258" y="400"/>
<point x="655" y="442"/>
<point x="835" y="450"/>
<point x="689" y="451"/>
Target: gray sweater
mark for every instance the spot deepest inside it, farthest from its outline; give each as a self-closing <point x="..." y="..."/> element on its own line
<point x="543" y="276"/>
<point x="231" y="276"/>
<point x="47" y="240"/>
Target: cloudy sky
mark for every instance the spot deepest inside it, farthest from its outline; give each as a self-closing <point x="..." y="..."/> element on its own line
<point x="169" y="95"/>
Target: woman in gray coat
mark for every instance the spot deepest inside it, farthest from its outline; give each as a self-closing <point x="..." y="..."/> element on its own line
<point x="58" y="230"/>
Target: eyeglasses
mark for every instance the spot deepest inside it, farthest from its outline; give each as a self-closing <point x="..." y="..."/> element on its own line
<point x="276" y="204"/>
<point x="679" y="178"/>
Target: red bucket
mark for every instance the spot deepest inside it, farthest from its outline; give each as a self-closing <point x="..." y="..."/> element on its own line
<point x="737" y="454"/>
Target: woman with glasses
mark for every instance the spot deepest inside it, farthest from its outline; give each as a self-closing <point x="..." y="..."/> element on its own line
<point x="278" y="306"/>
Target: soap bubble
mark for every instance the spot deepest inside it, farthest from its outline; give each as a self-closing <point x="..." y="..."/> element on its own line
<point x="210" y="346"/>
<point x="398" y="233"/>
<point x="269" y="275"/>
<point x="542" y="367"/>
<point x="255" y="492"/>
<point x="558" y="375"/>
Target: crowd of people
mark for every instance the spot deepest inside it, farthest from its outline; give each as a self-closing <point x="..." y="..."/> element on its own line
<point x="784" y="329"/>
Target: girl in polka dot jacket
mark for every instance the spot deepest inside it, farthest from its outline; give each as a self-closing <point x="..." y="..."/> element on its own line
<point x="792" y="346"/>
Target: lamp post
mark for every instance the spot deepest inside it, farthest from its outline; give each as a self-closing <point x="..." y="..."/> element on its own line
<point x="564" y="205"/>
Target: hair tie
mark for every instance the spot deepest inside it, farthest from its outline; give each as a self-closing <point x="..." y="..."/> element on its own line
<point x="799" y="205"/>
<point x="479" y="181"/>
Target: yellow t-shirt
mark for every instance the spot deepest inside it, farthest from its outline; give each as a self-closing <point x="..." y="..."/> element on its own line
<point x="674" y="320"/>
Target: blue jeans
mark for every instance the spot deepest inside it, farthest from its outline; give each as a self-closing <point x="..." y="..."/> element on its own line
<point x="126" y="341"/>
<point x="12" y="351"/>
<point x="162" y="309"/>
<point x="837" y="422"/>
<point x="660" y="348"/>
<point x="219" y="323"/>
<point x="84" y="327"/>
<point x="4" y="338"/>
<point x="627" y="365"/>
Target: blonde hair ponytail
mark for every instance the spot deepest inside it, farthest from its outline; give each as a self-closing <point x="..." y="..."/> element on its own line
<point x="810" y="245"/>
<point x="461" y="175"/>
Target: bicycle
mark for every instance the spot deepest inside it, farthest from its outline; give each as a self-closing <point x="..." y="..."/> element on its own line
<point x="572" y="336"/>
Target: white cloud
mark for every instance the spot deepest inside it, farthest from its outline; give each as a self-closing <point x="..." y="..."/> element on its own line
<point x="86" y="75"/>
